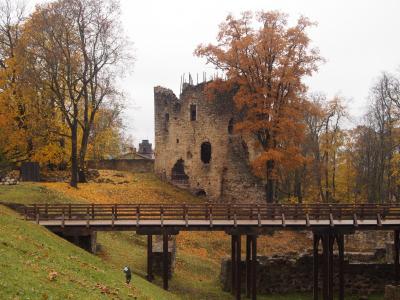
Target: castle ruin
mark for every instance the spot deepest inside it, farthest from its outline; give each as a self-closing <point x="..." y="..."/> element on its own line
<point x="197" y="148"/>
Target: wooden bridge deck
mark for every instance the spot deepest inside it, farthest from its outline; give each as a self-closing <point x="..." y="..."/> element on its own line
<point x="213" y="217"/>
<point x="216" y="225"/>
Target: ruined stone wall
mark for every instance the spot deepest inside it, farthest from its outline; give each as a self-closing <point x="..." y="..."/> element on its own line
<point x="227" y="177"/>
<point x="367" y="241"/>
<point x="129" y="165"/>
<point x="285" y="274"/>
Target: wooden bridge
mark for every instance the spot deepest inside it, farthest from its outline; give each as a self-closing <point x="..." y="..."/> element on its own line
<point x="328" y="222"/>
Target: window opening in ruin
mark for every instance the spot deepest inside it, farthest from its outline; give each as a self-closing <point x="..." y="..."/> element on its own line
<point x="230" y="126"/>
<point x="193" y="112"/>
<point x="177" y="141"/>
<point x="189" y="155"/>
<point x="178" y="171"/>
<point x="201" y="193"/>
<point x="205" y="153"/>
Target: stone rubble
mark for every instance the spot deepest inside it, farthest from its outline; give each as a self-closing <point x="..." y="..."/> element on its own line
<point x="8" y="181"/>
<point x="392" y="292"/>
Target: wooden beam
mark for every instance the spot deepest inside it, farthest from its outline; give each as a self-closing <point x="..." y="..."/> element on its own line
<point x="150" y="276"/>
<point x="396" y="255"/>
<point x="315" y="265"/>
<point x="248" y="265"/>
<point x="330" y="265"/>
<point x="238" y="266"/>
<point x="340" y="242"/>
<point x="253" y="267"/>
<point x="165" y="261"/>
<point x="233" y="262"/>
<point x="325" y="266"/>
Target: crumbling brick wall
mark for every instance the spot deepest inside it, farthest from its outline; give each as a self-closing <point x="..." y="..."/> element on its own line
<point x="186" y="127"/>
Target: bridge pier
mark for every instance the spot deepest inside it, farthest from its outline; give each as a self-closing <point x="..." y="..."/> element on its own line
<point x="236" y="264"/>
<point x="233" y="262"/>
<point x="165" y="260"/>
<point x="328" y="239"/>
<point x="396" y="262"/>
<point x="315" y="265"/>
<point x="238" y="267"/>
<point x="253" y="271"/>
<point x="248" y="266"/>
<point x="150" y="275"/>
<point x="251" y="265"/>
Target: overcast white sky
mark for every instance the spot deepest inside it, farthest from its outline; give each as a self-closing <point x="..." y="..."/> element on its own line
<point x="359" y="40"/>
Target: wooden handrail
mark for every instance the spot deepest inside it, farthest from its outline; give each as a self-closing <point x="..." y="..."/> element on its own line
<point x="214" y="211"/>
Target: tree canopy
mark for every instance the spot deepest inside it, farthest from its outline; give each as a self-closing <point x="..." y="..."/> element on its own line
<point x="266" y="60"/>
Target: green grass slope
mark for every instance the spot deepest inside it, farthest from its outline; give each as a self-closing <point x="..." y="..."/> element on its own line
<point x="37" y="264"/>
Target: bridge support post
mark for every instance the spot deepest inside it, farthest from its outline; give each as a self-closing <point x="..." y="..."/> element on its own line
<point x="248" y="265"/>
<point x="253" y="267"/>
<point x="315" y="265"/>
<point x="238" y="266"/>
<point x="325" y="266"/>
<point x="331" y="239"/>
<point x="150" y="276"/>
<point x="165" y="260"/>
<point x="340" y="242"/>
<point x="396" y="255"/>
<point x="328" y="240"/>
<point x="233" y="262"/>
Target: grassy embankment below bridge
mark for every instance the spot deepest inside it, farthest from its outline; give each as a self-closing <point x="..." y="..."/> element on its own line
<point x="29" y="253"/>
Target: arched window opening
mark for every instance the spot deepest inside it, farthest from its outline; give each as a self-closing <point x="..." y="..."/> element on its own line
<point x="230" y="126"/>
<point x="193" y="112"/>
<point x="178" y="171"/>
<point x="201" y="193"/>
<point x="205" y="154"/>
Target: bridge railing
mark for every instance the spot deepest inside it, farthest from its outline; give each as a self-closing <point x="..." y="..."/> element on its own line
<point x="212" y="211"/>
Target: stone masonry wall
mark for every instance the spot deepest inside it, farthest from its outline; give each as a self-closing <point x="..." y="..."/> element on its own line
<point x="285" y="274"/>
<point x="129" y="165"/>
<point x="227" y="177"/>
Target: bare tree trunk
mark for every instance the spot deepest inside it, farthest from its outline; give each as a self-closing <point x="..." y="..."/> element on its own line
<point x="82" y="156"/>
<point x="74" y="155"/>
<point x="271" y="182"/>
<point x="334" y="175"/>
<point x="297" y="185"/>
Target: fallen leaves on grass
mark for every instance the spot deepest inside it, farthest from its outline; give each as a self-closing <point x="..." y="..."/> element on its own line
<point x="52" y="276"/>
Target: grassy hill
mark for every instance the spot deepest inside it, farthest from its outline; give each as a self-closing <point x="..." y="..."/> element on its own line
<point x="36" y="264"/>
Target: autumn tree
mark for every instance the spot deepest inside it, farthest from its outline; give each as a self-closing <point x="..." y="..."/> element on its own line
<point x="77" y="50"/>
<point x="13" y="141"/>
<point x="378" y="142"/>
<point x="266" y="60"/>
<point x="106" y="139"/>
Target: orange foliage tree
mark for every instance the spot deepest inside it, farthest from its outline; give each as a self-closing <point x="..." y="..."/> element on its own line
<point x="265" y="61"/>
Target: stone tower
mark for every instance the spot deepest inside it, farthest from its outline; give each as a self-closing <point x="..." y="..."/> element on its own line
<point x="196" y="148"/>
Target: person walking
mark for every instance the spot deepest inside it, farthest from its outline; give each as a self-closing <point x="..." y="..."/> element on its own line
<point x="128" y="274"/>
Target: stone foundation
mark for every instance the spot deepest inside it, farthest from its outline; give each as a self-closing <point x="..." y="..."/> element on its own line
<point x="392" y="292"/>
<point x="285" y="274"/>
